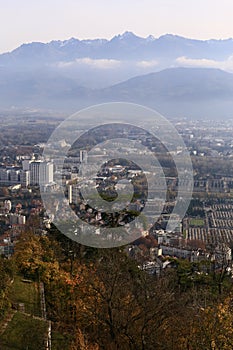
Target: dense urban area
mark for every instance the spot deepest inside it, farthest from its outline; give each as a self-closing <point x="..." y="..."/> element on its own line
<point x="166" y="290"/>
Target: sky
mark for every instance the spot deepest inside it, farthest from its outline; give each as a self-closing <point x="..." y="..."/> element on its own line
<point x="32" y="20"/>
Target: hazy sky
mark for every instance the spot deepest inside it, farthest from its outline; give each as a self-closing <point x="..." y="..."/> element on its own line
<point x="32" y="20"/>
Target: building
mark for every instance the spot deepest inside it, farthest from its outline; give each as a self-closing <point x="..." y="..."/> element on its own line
<point x="74" y="194"/>
<point x="70" y="194"/>
<point x="41" y="172"/>
<point x="83" y="156"/>
<point x="10" y="176"/>
<point x="7" y="205"/>
<point x="17" y="219"/>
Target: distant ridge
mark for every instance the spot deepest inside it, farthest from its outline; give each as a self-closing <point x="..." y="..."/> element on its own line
<point x="104" y="48"/>
<point x="192" y="92"/>
<point x="177" y="83"/>
<point x="186" y="92"/>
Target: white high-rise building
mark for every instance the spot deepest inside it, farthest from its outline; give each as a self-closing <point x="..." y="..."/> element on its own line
<point x="41" y="172"/>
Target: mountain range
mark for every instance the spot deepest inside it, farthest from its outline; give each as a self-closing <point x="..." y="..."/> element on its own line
<point x="175" y="75"/>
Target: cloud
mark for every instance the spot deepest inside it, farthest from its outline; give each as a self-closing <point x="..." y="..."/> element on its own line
<point x="105" y="63"/>
<point x="206" y="63"/>
<point x="92" y="63"/>
<point x="147" y="64"/>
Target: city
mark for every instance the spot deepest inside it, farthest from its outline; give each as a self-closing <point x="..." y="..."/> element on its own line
<point x="116" y="175"/>
<point x="203" y="237"/>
